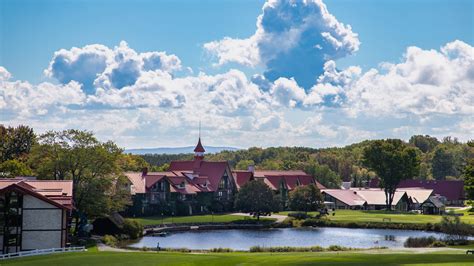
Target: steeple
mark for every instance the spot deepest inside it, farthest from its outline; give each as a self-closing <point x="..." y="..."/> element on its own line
<point x="199" y="150"/>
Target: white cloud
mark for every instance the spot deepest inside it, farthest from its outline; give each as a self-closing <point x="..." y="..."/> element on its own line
<point x="24" y="99"/>
<point x="99" y="66"/>
<point x="426" y="82"/>
<point x="292" y="39"/>
<point x="4" y="74"/>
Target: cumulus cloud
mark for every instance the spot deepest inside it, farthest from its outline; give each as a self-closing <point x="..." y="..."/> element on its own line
<point x="426" y="82"/>
<point x="99" y="66"/>
<point x="4" y="74"/>
<point x="293" y="39"/>
<point x="22" y="99"/>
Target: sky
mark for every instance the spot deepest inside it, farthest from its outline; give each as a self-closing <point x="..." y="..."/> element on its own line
<point x="256" y="73"/>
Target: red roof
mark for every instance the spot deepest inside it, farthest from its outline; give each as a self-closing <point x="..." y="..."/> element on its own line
<point x="199" y="147"/>
<point x="242" y="177"/>
<point x="291" y="177"/>
<point x="212" y="170"/>
<point x="451" y="189"/>
<point x="55" y="197"/>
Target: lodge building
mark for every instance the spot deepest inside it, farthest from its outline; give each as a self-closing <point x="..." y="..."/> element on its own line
<point x="200" y="186"/>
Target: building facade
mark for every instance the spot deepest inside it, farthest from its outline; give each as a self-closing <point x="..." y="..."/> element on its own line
<point x="35" y="214"/>
<point x="200" y="186"/>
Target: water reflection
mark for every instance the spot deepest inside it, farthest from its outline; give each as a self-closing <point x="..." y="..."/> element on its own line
<point x="297" y="237"/>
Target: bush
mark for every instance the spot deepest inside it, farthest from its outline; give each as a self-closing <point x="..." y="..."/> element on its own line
<point x="298" y="215"/>
<point x="110" y="240"/>
<point x="288" y="222"/>
<point x="456" y="230"/>
<point x="438" y="244"/>
<point x="221" y="250"/>
<point x="132" y="228"/>
<point x="419" y="242"/>
<point x="297" y="249"/>
<point x="338" y="248"/>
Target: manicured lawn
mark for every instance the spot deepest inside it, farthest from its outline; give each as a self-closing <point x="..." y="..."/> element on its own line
<point x="216" y="218"/>
<point x="379" y="216"/>
<point x="149" y="258"/>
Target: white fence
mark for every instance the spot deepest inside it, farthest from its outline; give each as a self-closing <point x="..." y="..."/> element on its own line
<point x="41" y="252"/>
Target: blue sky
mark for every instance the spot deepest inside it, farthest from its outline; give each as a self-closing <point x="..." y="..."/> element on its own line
<point x="32" y="31"/>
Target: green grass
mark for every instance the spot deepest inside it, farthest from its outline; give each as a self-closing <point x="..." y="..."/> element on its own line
<point x="379" y="216"/>
<point x="327" y="258"/>
<point x="216" y="218"/>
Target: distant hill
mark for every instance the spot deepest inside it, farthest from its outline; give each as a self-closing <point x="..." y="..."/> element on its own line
<point x="178" y="150"/>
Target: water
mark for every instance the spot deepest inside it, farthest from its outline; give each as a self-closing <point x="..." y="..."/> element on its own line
<point x="240" y="239"/>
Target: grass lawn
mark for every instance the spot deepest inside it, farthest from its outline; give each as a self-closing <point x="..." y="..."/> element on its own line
<point x="216" y="218"/>
<point x="379" y="216"/>
<point x="327" y="258"/>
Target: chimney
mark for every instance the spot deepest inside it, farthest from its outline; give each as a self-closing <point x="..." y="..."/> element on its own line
<point x="144" y="171"/>
<point x="251" y="168"/>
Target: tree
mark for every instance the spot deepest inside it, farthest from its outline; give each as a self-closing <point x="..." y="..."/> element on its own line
<point x="424" y="143"/>
<point x="324" y="175"/>
<point x="256" y="198"/>
<point x="15" y="142"/>
<point x="98" y="184"/>
<point x="469" y="181"/>
<point x="244" y="164"/>
<point x="306" y="198"/>
<point x="131" y="162"/>
<point x="444" y="163"/>
<point x="14" y="168"/>
<point x="392" y="161"/>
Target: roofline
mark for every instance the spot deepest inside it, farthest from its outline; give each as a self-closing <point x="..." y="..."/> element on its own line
<point x="34" y="194"/>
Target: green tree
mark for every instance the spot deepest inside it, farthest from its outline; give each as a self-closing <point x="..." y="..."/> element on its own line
<point x="392" y="161"/>
<point x="324" y="175"/>
<point x="14" y="168"/>
<point x="98" y="184"/>
<point x="424" y="143"/>
<point x="469" y="182"/>
<point x="256" y="198"/>
<point x="15" y="143"/>
<point x="130" y="162"/>
<point x="444" y="163"/>
<point x="244" y="164"/>
<point x="306" y="198"/>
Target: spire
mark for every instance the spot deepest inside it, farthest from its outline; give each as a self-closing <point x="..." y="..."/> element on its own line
<point x="199" y="147"/>
<point x="199" y="150"/>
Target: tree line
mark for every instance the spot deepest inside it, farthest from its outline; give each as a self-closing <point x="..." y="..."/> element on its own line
<point x="438" y="159"/>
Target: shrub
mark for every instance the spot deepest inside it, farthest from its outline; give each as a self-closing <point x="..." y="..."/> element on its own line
<point x="298" y="215"/>
<point x="110" y="240"/>
<point x="438" y="244"/>
<point x="221" y="250"/>
<point x="338" y="248"/>
<point x="288" y="222"/>
<point x="419" y="242"/>
<point x="132" y="228"/>
<point x="456" y="230"/>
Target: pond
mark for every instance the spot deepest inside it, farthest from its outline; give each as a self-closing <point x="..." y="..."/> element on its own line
<point x="240" y="239"/>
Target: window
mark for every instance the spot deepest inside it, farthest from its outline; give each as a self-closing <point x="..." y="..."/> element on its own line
<point x="220" y="193"/>
<point x="224" y="183"/>
<point x="181" y="185"/>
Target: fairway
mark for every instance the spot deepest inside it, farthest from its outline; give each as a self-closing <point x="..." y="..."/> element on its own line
<point x="328" y="258"/>
<point x="216" y="218"/>
<point x="383" y="216"/>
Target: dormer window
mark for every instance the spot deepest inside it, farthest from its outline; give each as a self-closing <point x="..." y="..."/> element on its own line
<point x="181" y="185"/>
